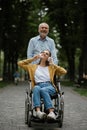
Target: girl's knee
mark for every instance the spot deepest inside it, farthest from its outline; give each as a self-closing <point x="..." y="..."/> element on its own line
<point x="43" y="90"/>
<point x="36" y="88"/>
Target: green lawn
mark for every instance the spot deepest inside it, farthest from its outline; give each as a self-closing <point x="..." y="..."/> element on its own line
<point x="82" y="90"/>
<point x="67" y="83"/>
<point x="3" y="84"/>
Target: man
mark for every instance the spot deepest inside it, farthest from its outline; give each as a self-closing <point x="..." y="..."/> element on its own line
<point x="42" y="42"/>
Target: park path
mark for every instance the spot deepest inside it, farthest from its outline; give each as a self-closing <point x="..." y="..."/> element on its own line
<point x="12" y="110"/>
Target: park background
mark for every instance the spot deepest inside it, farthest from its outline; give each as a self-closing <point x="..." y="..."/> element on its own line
<point x="19" y="20"/>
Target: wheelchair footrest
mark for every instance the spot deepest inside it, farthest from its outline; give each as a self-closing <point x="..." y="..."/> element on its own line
<point x="54" y="121"/>
<point x="35" y="119"/>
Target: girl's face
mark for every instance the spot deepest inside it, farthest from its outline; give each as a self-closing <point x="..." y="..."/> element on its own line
<point x="45" y="55"/>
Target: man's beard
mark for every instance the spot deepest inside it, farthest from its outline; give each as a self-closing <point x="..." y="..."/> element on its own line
<point x="44" y="34"/>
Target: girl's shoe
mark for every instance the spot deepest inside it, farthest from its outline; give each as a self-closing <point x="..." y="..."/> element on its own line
<point x="51" y="115"/>
<point x="41" y="115"/>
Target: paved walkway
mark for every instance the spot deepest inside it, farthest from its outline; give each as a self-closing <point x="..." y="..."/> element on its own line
<point x="12" y="110"/>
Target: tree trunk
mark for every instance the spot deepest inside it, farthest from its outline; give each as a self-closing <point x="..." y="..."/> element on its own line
<point x="5" y="68"/>
<point x="71" y="62"/>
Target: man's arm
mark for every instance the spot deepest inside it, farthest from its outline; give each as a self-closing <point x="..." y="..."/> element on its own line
<point x="53" y="53"/>
<point x="30" y="49"/>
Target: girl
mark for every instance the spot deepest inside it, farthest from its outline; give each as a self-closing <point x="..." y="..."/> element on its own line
<point x="42" y="80"/>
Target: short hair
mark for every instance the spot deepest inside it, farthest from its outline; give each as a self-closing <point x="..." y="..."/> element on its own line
<point x="42" y="24"/>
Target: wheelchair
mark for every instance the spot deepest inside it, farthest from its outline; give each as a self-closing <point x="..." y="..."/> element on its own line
<point x="58" y="102"/>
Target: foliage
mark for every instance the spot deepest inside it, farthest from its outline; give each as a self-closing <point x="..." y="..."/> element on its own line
<point x="67" y="83"/>
<point x="67" y="19"/>
<point x="3" y="84"/>
<point x="81" y="91"/>
<point x="18" y="26"/>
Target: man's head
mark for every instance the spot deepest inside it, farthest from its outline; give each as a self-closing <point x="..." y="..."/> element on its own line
<point x="43" y="30"/>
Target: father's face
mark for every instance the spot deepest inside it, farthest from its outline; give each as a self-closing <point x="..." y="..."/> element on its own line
<point x="43" y="30"/>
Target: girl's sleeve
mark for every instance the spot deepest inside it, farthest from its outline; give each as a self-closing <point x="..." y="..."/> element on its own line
<point x="60" y="71"/>
<point x="25" y="63"/>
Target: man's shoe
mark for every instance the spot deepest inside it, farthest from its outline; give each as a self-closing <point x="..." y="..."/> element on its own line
<point x="51" y="116"/>
<point x="41" y="115"/>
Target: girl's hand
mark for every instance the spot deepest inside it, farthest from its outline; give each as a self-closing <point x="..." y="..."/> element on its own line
<point x="36" y="57"/>
<point x="50" y="59"/>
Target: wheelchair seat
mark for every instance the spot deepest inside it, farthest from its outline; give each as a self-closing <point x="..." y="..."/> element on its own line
<point x="58" y="99"/>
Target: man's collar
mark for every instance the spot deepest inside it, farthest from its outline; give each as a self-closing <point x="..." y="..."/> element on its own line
<point x="39" y="38"/>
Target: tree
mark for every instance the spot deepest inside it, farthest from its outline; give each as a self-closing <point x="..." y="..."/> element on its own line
<point x="20" y="20"/>
<point x="66" y="15"/>
<point x="83" y="25"/>
<point x="14" y="33"/>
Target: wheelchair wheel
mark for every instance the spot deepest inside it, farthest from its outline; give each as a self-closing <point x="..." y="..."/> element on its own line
<point x="61" y="116"/>
<point x="26" y="111"/>
<point x="60" y="122"/>
<point x="29" y="118"/>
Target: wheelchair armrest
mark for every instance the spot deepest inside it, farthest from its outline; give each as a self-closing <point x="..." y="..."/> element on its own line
<point x="54" y="96"/>
<point x="29" y="93"/>
<point x="62" y="93"/>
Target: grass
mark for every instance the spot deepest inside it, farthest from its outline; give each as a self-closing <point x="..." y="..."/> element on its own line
<point x="81" y="90"/>
<point x="3" y="84"/>
<point x="67" y="83"/>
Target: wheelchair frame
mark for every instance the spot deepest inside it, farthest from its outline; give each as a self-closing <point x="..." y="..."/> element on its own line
<point x="58" y="100"/>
